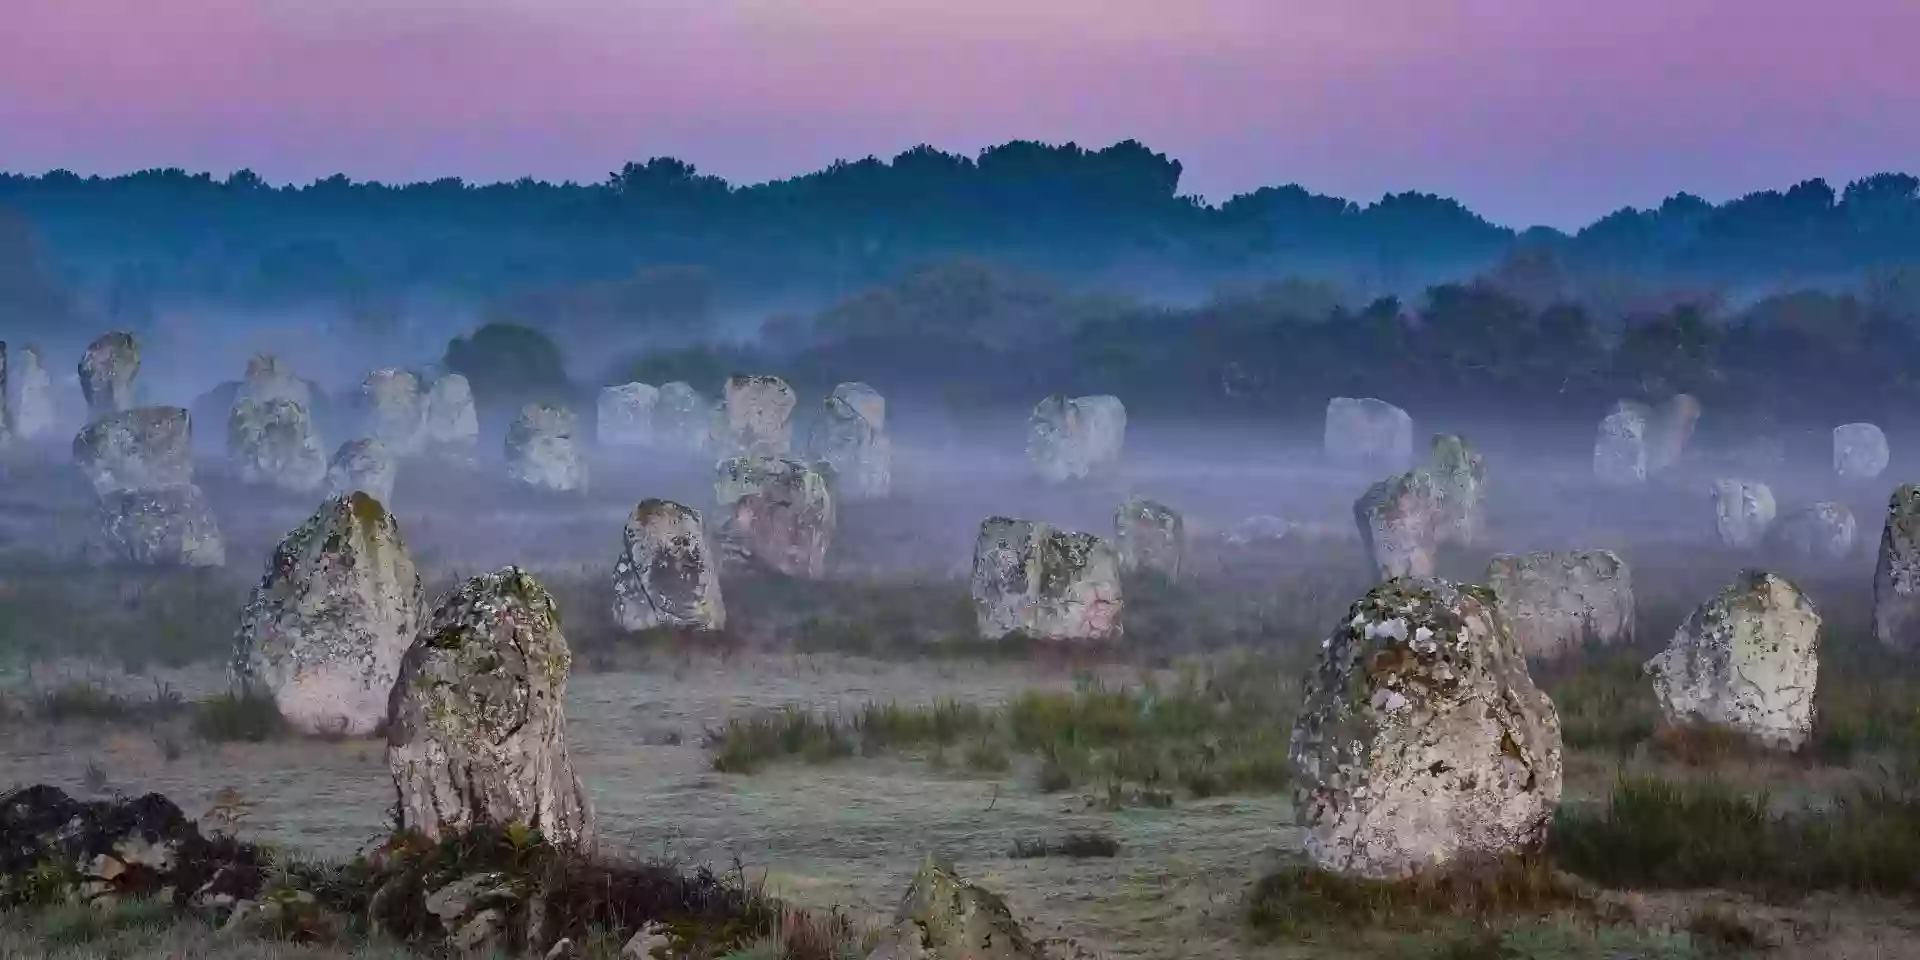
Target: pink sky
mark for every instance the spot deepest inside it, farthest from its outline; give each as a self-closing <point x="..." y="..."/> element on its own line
<point x="1550" y="111"/>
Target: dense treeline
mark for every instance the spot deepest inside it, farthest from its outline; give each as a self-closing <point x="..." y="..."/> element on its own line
<point x="1112" y="218"/>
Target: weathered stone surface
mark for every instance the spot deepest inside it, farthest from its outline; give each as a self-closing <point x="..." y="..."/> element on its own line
<point x="756" y="418"/>
<point x="1264" y="528"/>
<point x="665" y="576"/>
<point x="1669" y="429"/>
<point x="30" y="395"/>
<point x="944" y="917"/>
<point x="1150" y="536"/>
<point x="1743" y="511"/>
<point x="776" y="514"/>
<point x="1368" y="433"/>
<point x="324" y="631"/>
<point x="1896" y="576"/>
<point x="395" y="409"/>
<point x="139" y="449"/>
<point x="625" y="415"/>
<point x="1620" y="451"/>
<point x="1557" y="603"/>
<point x="107" y="372"/>
<point x="1399" y="520"/>
<point x="476" y="728"/>
<point x="1045" y="583"/>
<point x="272" y="441"/>
<point x="270" y="379"/>
<point x="852" y="440"/>
<point x="1819" y="531"/>
<point x="364" y="465"/>
<point x="1859" y="451"/>
<point x="156" y="526"/>
<point x="1460" y="483"/>
<point x="1747" y="661"/>
<point x="450" y="428"/>
<point x="1423" y="741"/>
<point x="543" y="449"/>
<point x="1073" y="439"/>
<point x="683" y="419"/>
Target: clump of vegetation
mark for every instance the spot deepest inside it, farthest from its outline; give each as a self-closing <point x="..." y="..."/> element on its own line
<point x="94" y="701"/>
<point x="1299" y="898"/>
<point x="1075" y="845"/>
<point x="891" y="726"/>
<point x="747" y="744"/>
<point x="242" y="715"/>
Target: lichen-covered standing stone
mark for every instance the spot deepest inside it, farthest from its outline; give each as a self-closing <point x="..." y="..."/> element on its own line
<point x="31" y="397"/>
<point x="1620" y="450"/>
<point x="776" y="514"/>
<point x="396" y="411"/>
<point x="944" y="917"/>
<point x="1399" y="520"/>
<point x="364" y="465"/>
<point x="1747" y="661"/>
<point x="1045" y="583"/>
<point x="1819" y="531"/>
<point x="1072" y="439"/>
<point x="1859" y="451"/>
<point x="324" y="631"/>
<point x="1460" y="482"/>
<point x="140" y="449"/>
<point x="624" y="415"/>
<point x="683" y="419"/>
<point x="1896" y="577"/>
<point x="1150" y="536"/>
<point x="756" y="418"/>
<point x="107" y="372"/>
<point x="852" y="439"/>
<point x="161" y="526"/>
<point x="1423" y="741"/>
<point x="665" y="576"/>
<point x="477" y="726"/>
<point x="272" y="441"/>
<point x="450" y="428"/>
<point x="1743" y="511"/>
<point x="1557" y="603"/>
<point x="543" y="449"/>
<point x="1369" y="433"/>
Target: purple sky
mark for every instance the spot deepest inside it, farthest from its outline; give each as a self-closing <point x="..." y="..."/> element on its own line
<point x="1550" y="111"/>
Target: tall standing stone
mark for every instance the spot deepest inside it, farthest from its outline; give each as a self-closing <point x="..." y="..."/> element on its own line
<point x="756" y="417"/>
<point x="140" y="449"/>
<point x="1669" y="429"/>
<point x="852" y="439"/>
<point x="683" y="419"/>
<point x="543" y="449"/>
<point x="1743" y="512"/>
<point x="665" y="576"/>
<point x="1423" y="742"/>
<point x="1859" y="451"/>
<point x="1620" y="450"/>
<point x="450" y="428"/>
<point x="1045" y="583"/>
<point x="1557" y="603"/>
<point x="396" y="411"/>
<point x="363" y="466"/>
<point x="1400" y="519"/>
<point x="625" y="415"/>
<point x="324" y="631"/>
<point x="1747" y="661"/>
<point x="776" y="514"/>
<point x="477" y="725"/>
<point x="1072" y="439"/>
<point x="272" y="441"/>
<point x="107" y="372"/>
<point x="1460" y="482"/>
<point x="1896" y="576"/>
<point x="1368" y="433"/>
<point x="1150" y="536"/>
<point x="32" y="396"/>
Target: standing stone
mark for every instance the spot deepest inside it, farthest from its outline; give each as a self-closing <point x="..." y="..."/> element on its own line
<point x="477" y="725"/>
<point x="1045" y="583"/>
<point x="756" y="418"/>
<point x="1460" y="483"/>
<point x="1071" y="439"/>
<point x="272" y="441"/>
<point x="155" y="526"/>
<point x="1743" y="510"/>
<point x="1747" y="661"/>
<point x="1368" y="433"/>
<point x="1557" y="603"/>
<point x="365" y="466"/>
<point x="1820" y="531"/>
<point x="107" y="371"/>
<point x="1423" y="741"/>
<point x="450" y="428"/>
<point x="665" y="577"/>
<point x="1104" y="418"/>
<point x="1150" y="536"/>
<point x="269" y="379"/>
<point x="1859" y="451"/>
<point x="1620" y="451"/>
<point x="324" y="631"/>
<point x="1896" y="577"/>
<point x="140" y="449"/>
<point x="1399" y="520"/>
<point x="683" y="419"/>
<point x="852" y="439"/>
<point x="1669" y="429"/>
<point x="396" y="412"/>
<point x="31" y="400"/>
<point x="625" y="415"/>
<point x="944" y="917"/>
<point x="776" y="513"/>
<point x="542" y="450"/>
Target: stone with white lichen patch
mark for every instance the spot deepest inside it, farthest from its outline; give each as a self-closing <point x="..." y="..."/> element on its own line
<point x="776" y="514"/>
<point x="1747" y="661"/>
<point x="1042" y="582"/>
<point x="665" y="575"/>
<point x="1557" y="603"/>
<point x="1743" y="512"/>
